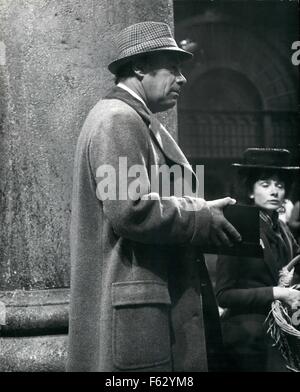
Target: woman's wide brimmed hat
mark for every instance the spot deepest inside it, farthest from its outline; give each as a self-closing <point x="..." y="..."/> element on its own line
<point x="145" y="37"/>
<point x="266" y="158"/>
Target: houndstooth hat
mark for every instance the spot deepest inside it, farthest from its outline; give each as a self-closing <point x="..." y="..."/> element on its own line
<point x="144" y="37"/>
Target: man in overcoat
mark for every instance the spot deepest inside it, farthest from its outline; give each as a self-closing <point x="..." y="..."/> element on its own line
<point x="137" y="269"/>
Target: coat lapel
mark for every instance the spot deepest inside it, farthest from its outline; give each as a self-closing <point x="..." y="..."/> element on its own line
<point x="268" y="258"/>
<point x="284" y="253"/>
<point x="167" y="144"/>
<point x="287" y="241"/>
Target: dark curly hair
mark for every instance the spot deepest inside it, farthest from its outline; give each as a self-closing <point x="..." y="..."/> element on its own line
<point x="127" y="70"/>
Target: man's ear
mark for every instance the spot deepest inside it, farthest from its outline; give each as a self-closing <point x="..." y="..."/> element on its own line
<point x="138" y="72"/>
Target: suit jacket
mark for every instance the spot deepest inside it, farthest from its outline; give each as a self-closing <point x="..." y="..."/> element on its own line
<point x="135" y="290"/>
<point x="245" y="284"/>
<point x="245" y="287"/>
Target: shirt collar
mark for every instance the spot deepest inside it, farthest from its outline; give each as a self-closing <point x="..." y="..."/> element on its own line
<point x="131" y="92"/>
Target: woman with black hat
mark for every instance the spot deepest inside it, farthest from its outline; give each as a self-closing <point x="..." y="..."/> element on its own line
<point x="247" y="286"/>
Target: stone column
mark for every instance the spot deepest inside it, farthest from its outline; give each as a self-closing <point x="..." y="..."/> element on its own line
<point x="53" y="59"/>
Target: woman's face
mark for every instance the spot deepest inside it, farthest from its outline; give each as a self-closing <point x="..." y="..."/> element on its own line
<point x="268" y="193"/>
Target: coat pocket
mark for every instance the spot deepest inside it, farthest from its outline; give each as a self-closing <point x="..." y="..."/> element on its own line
<point x="141" y="324"/>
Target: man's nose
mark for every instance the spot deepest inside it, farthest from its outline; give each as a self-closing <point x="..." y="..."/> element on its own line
<point x="180" y="79"/>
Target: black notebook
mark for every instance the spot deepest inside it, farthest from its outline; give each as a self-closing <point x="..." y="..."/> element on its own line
<point x="246" y="221"/>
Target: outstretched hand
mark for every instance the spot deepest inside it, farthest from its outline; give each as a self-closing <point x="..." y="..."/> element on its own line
<point x="222" y="231"/>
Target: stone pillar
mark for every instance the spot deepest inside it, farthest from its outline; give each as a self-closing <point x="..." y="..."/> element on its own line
<point x="53" y="59"/>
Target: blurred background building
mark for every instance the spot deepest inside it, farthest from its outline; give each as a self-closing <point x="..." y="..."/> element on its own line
<point x="243" y="90"/>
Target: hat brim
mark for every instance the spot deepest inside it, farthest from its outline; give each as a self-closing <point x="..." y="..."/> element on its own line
<point x="284" y="168"/>
<point x="116" y="64"/>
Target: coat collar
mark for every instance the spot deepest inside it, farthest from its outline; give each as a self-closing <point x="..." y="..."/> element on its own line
<point x="131" y="92"/>
<point x="138" y="106"/>
<point x="163" y="138"/>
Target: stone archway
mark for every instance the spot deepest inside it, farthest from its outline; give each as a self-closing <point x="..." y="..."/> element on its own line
<point x="229" y="45"/>
<point x="223" y="110"/>
<point x="242" y="92"/>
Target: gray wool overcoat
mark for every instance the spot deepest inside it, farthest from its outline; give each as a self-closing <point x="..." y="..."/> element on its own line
<point x="135" y="291"/>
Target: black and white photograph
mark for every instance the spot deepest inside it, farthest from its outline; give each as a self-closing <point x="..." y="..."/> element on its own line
<point x="149" y="188"/>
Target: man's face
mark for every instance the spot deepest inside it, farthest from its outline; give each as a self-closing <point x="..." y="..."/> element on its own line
<point x="162" y="81"/>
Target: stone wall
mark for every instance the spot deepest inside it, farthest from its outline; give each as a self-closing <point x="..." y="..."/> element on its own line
<point x="53" y="59"/>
